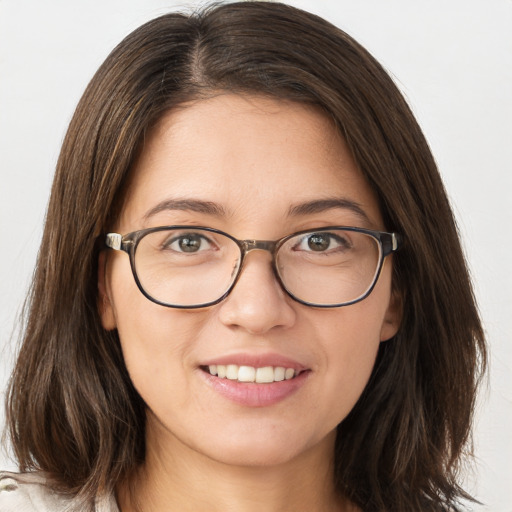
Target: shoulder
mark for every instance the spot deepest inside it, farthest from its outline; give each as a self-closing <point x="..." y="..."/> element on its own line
<point x="29" y="492"/>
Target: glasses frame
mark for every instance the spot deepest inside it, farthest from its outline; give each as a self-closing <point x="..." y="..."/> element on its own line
<point x="388" y="242"/>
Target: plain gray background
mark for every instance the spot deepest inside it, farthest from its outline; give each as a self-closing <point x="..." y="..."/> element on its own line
<point x="453" y="61"/>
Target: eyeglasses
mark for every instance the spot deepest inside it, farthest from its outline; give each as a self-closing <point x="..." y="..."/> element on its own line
<point x="194" y="267"/>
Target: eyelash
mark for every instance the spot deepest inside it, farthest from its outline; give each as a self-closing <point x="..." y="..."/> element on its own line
<point x="343" y="244"/>
<point x="176" y="239"/>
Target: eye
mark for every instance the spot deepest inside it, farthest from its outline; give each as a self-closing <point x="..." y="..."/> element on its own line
<point x="188" y="242"/>
<point x="322" y="242"/>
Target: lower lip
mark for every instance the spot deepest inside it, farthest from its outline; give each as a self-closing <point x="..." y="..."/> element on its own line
<point x="256" y="395"/>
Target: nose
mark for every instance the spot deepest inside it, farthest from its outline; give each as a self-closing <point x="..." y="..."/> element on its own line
<point x="257" y="303"/>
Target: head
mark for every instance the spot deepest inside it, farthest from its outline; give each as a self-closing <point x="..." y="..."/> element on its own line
<point x="402" y="434"/>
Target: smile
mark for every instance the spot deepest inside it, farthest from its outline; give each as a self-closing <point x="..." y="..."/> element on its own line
<point x="254" y="386"/>
<point x="261" y="375"/>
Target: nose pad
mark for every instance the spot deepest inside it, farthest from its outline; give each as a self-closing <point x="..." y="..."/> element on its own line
<point x="257" y="302"/>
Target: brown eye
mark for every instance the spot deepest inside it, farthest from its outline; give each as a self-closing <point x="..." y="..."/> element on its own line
<point x="318" y="242"/>
<point x="188" y="242"/>
<point x="322" y="242"/>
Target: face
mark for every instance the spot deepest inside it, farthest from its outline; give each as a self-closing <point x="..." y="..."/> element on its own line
<point x="254" y="159"/>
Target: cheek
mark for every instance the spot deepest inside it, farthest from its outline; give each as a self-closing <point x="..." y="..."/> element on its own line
<point x="351" y="340"/>
<point x="156" y="341"/>
<point x="351" y="358"/>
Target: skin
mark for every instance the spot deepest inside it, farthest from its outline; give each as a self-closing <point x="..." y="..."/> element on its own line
<point x="255" y="157"/>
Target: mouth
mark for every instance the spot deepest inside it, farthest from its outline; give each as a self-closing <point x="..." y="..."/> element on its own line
<point x="251" y="374"/>
<point x="257" y="380"/>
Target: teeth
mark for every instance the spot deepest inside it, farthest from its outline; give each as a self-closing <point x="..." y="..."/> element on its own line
<point x="232" y="372"/>
<point x="265" y="374"/>
<point x="280" y="373"/>
<point x="262" y="375"/>
<point x="246" y="374"/>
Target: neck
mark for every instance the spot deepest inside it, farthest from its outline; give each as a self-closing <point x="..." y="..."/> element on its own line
<point x="175" y="477"/>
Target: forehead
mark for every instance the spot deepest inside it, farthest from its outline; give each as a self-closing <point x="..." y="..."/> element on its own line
<point x="255" y="157"/>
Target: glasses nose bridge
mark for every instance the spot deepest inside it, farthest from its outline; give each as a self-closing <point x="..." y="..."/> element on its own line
<point x="258" y="245"/>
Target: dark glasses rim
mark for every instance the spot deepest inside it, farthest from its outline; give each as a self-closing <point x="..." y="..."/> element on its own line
<point x="389" y="242"/>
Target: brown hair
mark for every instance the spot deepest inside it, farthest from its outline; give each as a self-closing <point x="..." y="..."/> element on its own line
<point x="72" y="409"/>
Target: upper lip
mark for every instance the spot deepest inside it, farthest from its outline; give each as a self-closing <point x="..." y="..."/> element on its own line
<point x="256" y="361"/>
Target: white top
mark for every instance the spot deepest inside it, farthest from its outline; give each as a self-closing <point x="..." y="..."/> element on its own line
<point x="29" y="492"/>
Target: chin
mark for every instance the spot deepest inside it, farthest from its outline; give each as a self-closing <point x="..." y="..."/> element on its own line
<point x="256" y="456"/>
<point x="260" y="447"/>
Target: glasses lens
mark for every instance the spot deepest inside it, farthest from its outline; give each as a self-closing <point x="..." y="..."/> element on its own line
<point x="186" y="267"/>
<point x="329" y="267"/>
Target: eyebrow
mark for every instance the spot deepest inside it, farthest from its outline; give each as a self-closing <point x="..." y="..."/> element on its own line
<point x="301" y="209"/>
<point x="191" y="205"/>
<point x="322" y="205"/>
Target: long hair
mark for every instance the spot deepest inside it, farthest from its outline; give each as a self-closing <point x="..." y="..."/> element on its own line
<point x="72" y="410"/>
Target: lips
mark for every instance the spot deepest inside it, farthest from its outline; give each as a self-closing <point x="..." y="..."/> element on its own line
<point x="255" y="381"/>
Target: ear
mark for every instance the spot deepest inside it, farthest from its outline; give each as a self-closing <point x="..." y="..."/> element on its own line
<point x="105" y="309"/>
<point x="393" y="316"/>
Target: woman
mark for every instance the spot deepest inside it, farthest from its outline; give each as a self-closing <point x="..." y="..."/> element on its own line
<point x="293" y="325"/>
